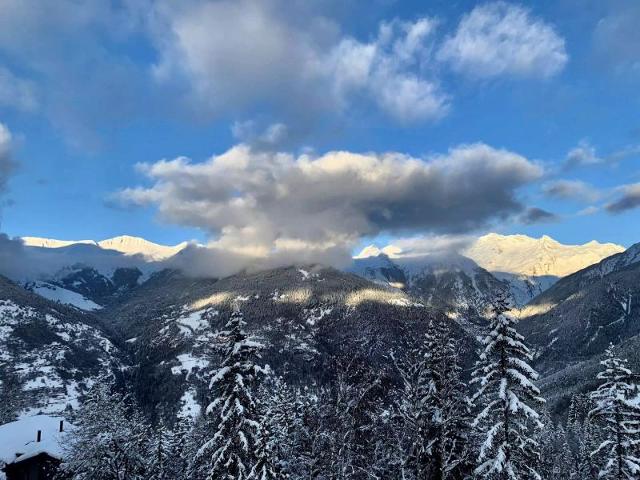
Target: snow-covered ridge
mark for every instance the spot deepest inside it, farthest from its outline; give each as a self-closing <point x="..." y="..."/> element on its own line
<point x="125" y="244"/>
<point x="523" y="255"/>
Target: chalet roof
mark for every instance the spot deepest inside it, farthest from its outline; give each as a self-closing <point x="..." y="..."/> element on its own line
<point x="18" y="439"/>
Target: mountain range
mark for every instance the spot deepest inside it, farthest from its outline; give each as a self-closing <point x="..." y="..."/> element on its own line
<point x="114" y="303"/>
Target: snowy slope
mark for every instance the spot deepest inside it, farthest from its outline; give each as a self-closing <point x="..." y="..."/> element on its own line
<point x="49" y="353"/>
<point x="62" y="295"/>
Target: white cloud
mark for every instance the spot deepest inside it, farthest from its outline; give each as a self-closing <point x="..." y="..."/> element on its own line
<point x="235" y="54"/>
<point x="497" y="39"/>
<point x="616" y="38"/>
<point x="585" y="155"/>
<point x="261" y="203"/>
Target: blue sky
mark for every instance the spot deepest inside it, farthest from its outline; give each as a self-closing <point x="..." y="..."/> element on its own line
<point x="540" y="98"/>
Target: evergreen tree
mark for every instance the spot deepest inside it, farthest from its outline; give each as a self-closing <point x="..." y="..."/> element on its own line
<point x="11" y="393"/>
<point x="166" y="460"/>
<point x="507" y="399"/>
<point x="619" y="419"/>
<point x="556" y="459"/>
<point x="233" y="414"/>
<point x="284" y="418"/>
<point x="110" y="441"/>
<point x="348" y="417"/>
<point x="433" y="408"/>
<point x="583" y="437"/>
<point x="266" y="466"/>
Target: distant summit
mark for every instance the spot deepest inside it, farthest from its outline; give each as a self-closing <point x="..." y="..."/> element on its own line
<point x="535" y="257"/>
<point x="125" y="244"/>
<point x="528" y="266"/>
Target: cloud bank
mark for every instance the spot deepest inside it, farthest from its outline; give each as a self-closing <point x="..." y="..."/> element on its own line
<point x="270" y="205"/>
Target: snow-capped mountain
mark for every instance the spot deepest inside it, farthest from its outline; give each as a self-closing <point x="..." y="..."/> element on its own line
<point x="449" y="281"/>
<point x="527" y="265"/>
<point x="50" y="354"/>
<point x="536" y="257"/>
<point x="124" y="244"/>
<point x="531" y="265"/>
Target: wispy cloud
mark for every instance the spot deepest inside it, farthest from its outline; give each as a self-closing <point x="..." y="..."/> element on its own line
<point x="584" y="155"/>
<point x="571" y="190"/>
<point x="498" y="38"/>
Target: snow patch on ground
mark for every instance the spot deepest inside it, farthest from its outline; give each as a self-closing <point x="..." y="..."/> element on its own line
<point x="190" y="408"/>
<point x="62" y="295"/>
<point x="188" y="362"/>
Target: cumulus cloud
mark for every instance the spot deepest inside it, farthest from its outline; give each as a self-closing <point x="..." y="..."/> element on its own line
<point x="571" y="190"/>
<point x="7" y="163"/>
<point x="535" y="215"/>
<point x="629" y="199"/>
<point x="234" y="54"/>
<point x="502" y="39"/>
<point x="266" y="204"/>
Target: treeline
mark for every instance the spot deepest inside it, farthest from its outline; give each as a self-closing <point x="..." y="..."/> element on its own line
<point x="431" y="424"/>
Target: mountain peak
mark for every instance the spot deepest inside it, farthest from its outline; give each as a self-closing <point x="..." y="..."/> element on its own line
<point x="544" y="256"/>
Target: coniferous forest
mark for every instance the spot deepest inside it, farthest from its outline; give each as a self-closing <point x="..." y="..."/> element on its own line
<point x="426" y="418"/>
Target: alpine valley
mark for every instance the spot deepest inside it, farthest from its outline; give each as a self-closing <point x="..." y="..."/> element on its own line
<point x="120" y="307"/>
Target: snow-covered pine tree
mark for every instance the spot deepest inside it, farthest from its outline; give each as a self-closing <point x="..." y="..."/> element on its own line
<point x="282" y="414"/>
<point x="434" y="411"/>
<point x="110" y="441"/>
<point x="582" y="436"/>
<point x="556" y="459"/>
<point x="231" y="451"/>
<point x="507" y="399"/>
<point x="11" y="394"/>
<point x="618" y="416"/>
<point x="450" y="408"/>
<point x="166" y="459"/>
<point x="348" y="416"/>
<point x="266" y="466"/>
